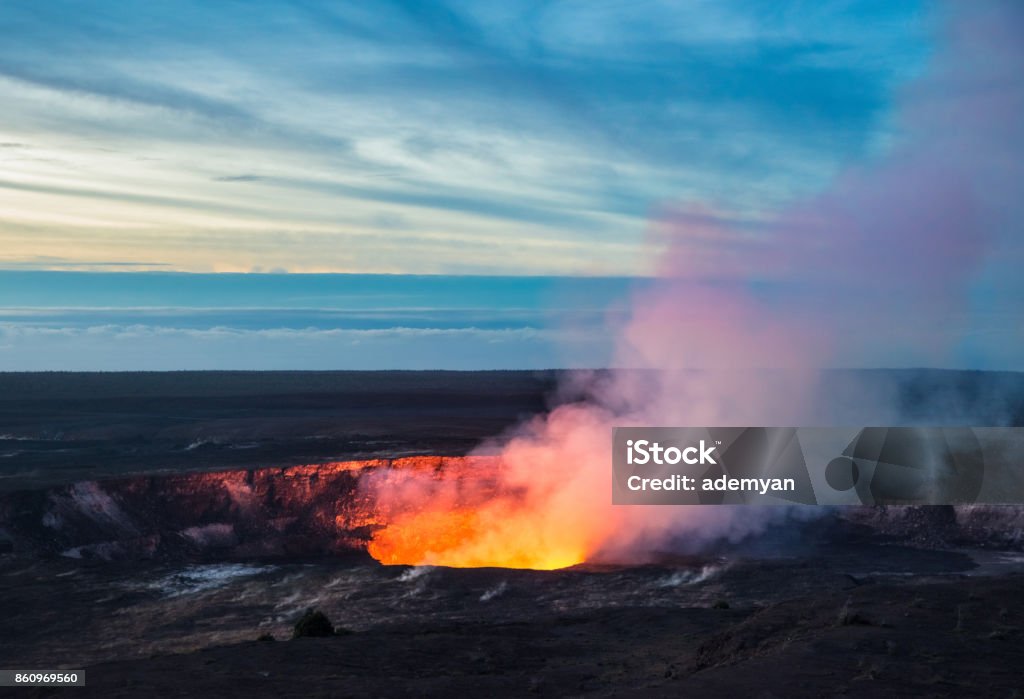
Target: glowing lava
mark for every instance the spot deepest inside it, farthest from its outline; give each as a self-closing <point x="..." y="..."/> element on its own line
<point x="460" y="538"/>
<point x="465" y="513"/>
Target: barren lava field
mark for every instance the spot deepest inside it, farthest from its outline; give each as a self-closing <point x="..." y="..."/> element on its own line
<point x="154" y="527"/>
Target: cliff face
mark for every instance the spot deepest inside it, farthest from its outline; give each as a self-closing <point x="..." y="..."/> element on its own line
<point x="939" y="526"/>
<point x="294" y="511"/>
<point x="305" y="511"/>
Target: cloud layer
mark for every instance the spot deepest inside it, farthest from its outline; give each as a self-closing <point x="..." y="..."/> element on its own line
<point x="406" y="137"/>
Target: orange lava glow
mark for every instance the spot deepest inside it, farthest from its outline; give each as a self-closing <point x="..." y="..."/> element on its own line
<point x="456" y="512"/>
<point x="457" y="538"/>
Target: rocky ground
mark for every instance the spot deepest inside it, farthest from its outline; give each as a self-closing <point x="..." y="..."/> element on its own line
<point x="59" y="428"/>
<point x="872" y="620"/>
<point x="153" y="527"/>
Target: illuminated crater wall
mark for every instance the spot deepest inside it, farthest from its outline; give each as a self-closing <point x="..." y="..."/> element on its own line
<point x="295" y="511"/>
<point x="415" y="510"/>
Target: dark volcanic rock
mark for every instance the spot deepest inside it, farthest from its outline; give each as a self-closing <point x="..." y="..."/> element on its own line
<point x="272" y="512"/>
<point x="939" y="526"/>
<point x="313" y="624"/>
<point x="954" y="637"/>
<point x="59" y="428"/>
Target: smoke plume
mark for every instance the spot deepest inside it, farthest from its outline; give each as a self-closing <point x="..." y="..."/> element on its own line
<point x="742" y="319"/>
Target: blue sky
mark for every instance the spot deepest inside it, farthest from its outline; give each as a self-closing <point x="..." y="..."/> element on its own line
<point x="413" y="137"/>
<point x="546" y="140"/>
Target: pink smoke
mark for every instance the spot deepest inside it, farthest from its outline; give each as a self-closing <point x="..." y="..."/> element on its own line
<point x="740" y="322"/>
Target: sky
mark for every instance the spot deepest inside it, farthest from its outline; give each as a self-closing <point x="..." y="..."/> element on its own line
<point x="167" y="168"/>
<point x="410" y="137"/>
<point x="114" y="321"/>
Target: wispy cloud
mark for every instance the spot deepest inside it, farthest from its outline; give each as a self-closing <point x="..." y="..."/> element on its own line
<point x="52" y="262"/>
<point x="443" y="137"/>
<point x="238" y="178"/>
<point x="149" y="347"/>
